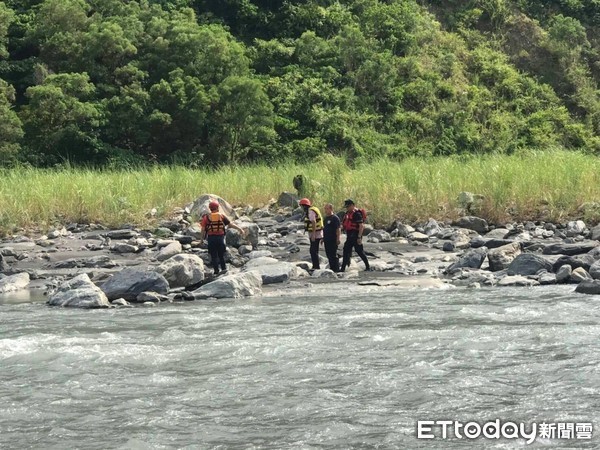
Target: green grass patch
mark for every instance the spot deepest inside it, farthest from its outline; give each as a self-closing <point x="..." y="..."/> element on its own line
<point x="535" y="185"/>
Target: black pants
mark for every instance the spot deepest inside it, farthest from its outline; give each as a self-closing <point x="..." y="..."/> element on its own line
<point x="331" y="252"/>
<point x="352" y="242"/>
<point x="314" y="253"/>
<point x="216" y="249"/>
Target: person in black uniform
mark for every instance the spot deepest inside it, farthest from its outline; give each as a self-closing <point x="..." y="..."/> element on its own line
<point x="331" y="237"/>
<point x="353" y="224"/>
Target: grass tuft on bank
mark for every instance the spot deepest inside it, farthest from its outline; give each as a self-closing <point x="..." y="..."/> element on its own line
<point x="551" y="185"/>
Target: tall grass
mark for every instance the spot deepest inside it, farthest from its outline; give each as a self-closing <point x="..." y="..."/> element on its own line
<point x="545" y="185"/>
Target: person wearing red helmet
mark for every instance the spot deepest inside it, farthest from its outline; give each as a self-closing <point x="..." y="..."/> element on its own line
<point x="213" y="226"/>
<point x="313" y="223"/>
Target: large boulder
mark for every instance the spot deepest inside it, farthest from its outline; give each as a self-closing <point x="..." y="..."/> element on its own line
<point x="13" y="283"/>
<point x="246" y="284"/>
<point x="182" y="270"/>
<point x="528" y="264"/>
<point x="200" y="207"/>
<point x="129" y="283"/>
<point x="472" y="259"/>
<point x="575" y="227"/>
<point x="517" y="280"/>
<point x="501" y="257"/>
<point x="79" y="292"/>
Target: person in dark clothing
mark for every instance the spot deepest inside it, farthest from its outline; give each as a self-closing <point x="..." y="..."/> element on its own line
<point x="353" y="224"/>
<point x="331" y="237"/>
<point x="213" y="227"/>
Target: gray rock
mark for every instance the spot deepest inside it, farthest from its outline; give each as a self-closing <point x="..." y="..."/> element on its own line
<point x="379" y="236"/>
<point x="570" y="249"/>
<point x="472" y="223"/>
<point x="589" y="287"/>
<point x="547" y="278"/>
<point x="182" y="270"/>
<point x="120" y="302"/>
<point x="324" y="273"/>
<point x="234" y="238"/>
<point x="271" y="270"/>
<point x="195" y="231"/>
<point x="174" y="248"/>
<point x="200" y="206"/>
<point x="448" y="247"/>
<point x="122" y="234"/>
<point x="288" y="199"/>
<point x="95" y="262"/>
<point x="246" y="284"/>
<point x="129" y="283"/>
<point x="432" y="228"/>
<point x="419" y="237"/>
<point x="575" y="261"/>
<point x="595" y="233"/>
<point x="471" y="259"/>
<point x="79" y="292"/>
<point x="528" y="264"/>
<point x="563" y="274"/>
<point x="404" y="230"/>
<point x="575" y="227"/>
<point x="260" y="254"/>
<point x="123" y="248"/>
<point x="517" y="280"/>
<point x="163" y="232"/>
<point x="153" y="297"/>
<point x="595" y="270"/>
<point x="489" y="243"/>
<point x="498" y="233"/>
<point x="3" y="264"/>
<point x="501" y="257"/>
<point x="580" y="274"/>
<point x="13" y="283"/>
<point x="244" y="249"/>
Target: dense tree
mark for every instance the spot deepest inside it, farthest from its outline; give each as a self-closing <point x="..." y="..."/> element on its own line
<point x="217" y="81"/>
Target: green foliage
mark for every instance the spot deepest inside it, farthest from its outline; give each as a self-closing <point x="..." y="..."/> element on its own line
<point x="10" y="126"/>
<point x="219" y="81"/>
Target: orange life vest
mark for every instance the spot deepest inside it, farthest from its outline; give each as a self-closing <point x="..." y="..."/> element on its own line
<point x="215" y="225"/>
<point x="350" y="225"/>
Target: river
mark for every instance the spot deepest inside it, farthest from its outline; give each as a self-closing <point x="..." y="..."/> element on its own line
<point x="323" y="368"/>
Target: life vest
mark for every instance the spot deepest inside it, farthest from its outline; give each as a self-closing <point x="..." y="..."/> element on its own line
<point x="350" y="225"/>
<point x="319" y="222"/>
<point x="215" y="225"/>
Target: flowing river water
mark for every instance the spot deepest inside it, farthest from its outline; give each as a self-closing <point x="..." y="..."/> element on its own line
<point x="330" y="367"/>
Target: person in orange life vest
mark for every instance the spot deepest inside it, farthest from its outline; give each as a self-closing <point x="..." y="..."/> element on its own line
<point x="331" y="237"/>
<point x="213" y="227"/>
<point x="353" y="224"/>
<point x="313" y="223"/>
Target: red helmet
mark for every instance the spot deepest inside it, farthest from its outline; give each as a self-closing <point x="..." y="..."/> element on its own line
<point x="214" y="205"/>
<point x="304" y="202"/>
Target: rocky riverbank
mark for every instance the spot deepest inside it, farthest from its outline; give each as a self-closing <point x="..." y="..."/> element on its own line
<point x="91" y="266"/>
